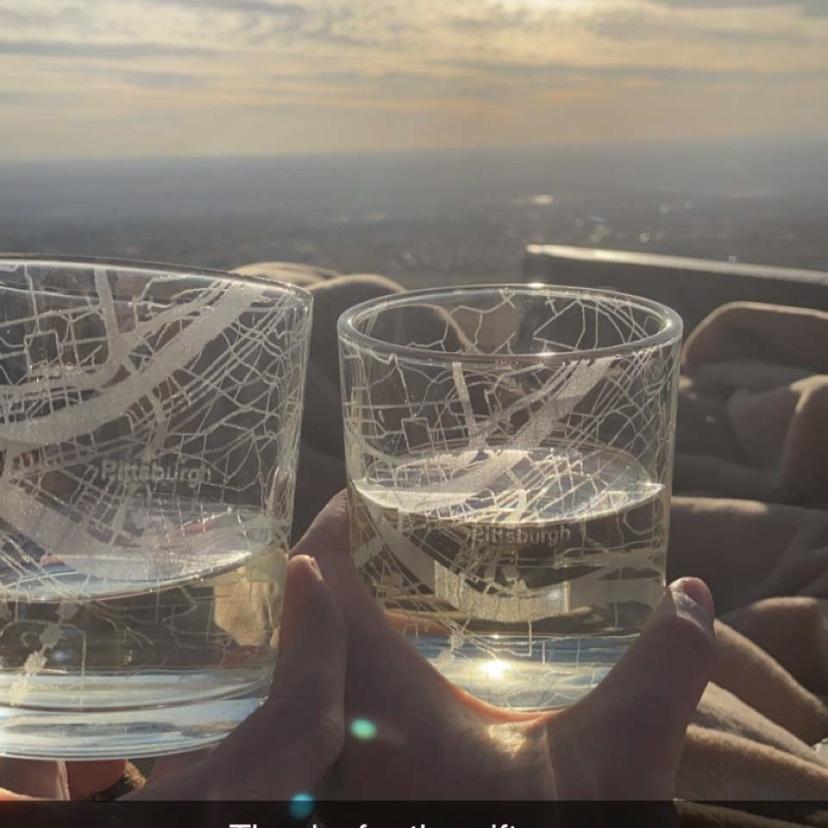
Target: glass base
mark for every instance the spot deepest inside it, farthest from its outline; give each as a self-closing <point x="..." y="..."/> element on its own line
<point x="128" y="732"/>
<point x="523" y="674"/>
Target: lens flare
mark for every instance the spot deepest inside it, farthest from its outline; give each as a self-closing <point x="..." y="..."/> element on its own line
<point x="363" y="729"/>
<point x="301" y="805"/>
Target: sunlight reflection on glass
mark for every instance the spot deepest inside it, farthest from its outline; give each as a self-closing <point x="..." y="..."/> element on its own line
<point x="495" y="670"/>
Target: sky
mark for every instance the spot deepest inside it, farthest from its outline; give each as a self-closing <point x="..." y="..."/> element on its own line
<point x="135" y="78"/>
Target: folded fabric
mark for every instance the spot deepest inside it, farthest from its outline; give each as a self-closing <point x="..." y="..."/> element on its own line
<point x="754" y="405"/>
<point x="775" y="334"/>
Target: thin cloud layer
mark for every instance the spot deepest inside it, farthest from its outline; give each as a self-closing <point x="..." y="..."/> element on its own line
<point x="817" y="7"/>
<point x="147" y="77"/>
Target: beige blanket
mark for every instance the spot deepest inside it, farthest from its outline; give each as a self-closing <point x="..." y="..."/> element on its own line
<point x="749" y="517"/>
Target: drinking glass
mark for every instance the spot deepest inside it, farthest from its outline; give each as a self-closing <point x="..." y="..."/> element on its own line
<point x="509" y="454"/>
<point x="149" y="422"/>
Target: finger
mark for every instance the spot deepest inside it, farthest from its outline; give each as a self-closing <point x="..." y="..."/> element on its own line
<point x="293" y="740"/>
<point x="287" y="745"/>
<point x="384" y="670"/>
<point x="401" y="712"/>
<point x="327" y="542"/>
<point x="376" y="643"/>
<point x="11" y="796"/>
<point x="639" y="713"/>
<point x="30" y="777"/>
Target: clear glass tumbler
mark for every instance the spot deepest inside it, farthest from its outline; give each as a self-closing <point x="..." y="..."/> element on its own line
<point x="149" y="422"/>
<point x="509" y="454"/>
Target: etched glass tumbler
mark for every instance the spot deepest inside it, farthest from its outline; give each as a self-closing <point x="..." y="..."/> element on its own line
<point x="149" y="421"/>
<point x="509" y="455"/>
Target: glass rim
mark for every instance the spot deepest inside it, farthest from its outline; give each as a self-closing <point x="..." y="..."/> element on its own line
<point x="153" y="267"/>
<point x="346" y="325"/>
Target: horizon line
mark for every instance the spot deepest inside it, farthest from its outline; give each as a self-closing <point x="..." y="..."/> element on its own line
<point x="736" y="142"/>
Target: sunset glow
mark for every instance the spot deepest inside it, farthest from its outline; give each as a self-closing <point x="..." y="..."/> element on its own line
<point x="183" y="77"/>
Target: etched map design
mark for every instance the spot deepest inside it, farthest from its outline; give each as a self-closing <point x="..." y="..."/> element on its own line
<point x="507" y="496"/>
<point x="134" y="406"/>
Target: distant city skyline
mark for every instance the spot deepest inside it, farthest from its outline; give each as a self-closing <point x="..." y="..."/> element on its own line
<point x="129" y="78"/>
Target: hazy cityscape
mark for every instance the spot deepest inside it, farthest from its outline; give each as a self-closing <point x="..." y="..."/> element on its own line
<point x="427" y="217"/>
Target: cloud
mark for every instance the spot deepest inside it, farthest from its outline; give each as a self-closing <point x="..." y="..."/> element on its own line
<point x="80" y="49"/>
<point x="458" y="68"/>
<point x="548" y="72"/>
<point x="260" y="20"/>
<point x="813" y="7"/>
<point x="158" y="80"/>
<point x="635" y="24"/>
<point x="161" y="80"/>
<point x="381" y="88"/>
<point x="246" y="6"/>
<point x="486" y="20"/>
<point x="44" y="18"/>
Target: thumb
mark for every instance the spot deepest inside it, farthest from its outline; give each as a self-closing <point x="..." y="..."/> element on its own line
<point x="327" y="542"/>
<point x="296" y="736"/>
<point x="293" y="739"/>
<point x="639" y="713"/>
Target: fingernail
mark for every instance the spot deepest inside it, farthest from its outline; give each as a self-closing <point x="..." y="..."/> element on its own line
<point x="309" y="563"/>
<point x="692" y="598"/>
<point x="314" y="567"/>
